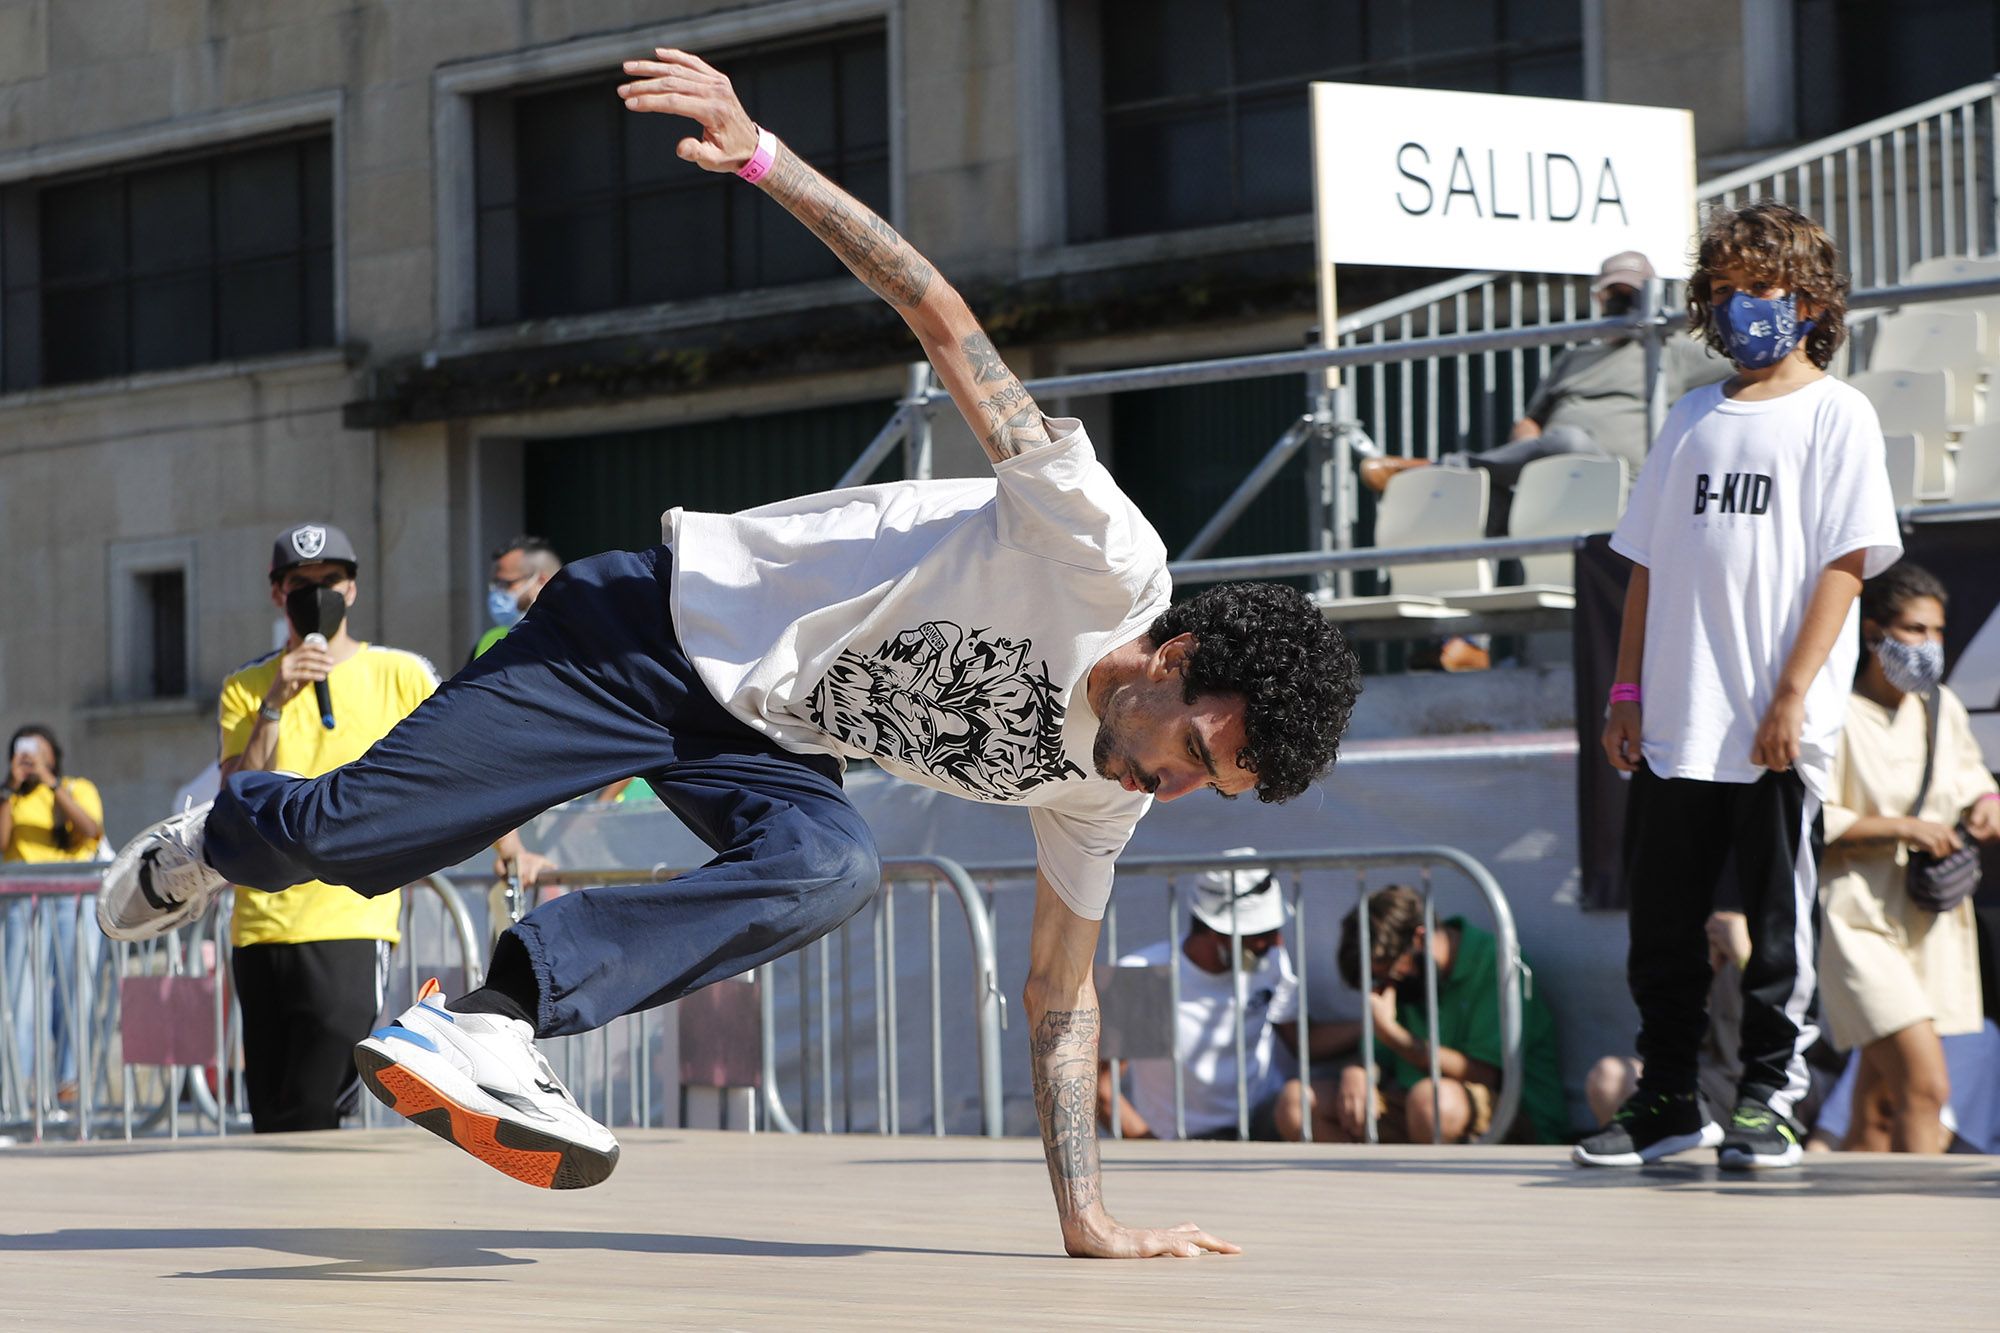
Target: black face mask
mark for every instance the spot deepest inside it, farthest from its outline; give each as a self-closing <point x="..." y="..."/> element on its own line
<point x="1619" y="303"/>
<point x="315" y="610"/>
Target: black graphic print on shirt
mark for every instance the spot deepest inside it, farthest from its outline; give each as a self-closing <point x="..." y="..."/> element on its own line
<point x="967" y="707"/>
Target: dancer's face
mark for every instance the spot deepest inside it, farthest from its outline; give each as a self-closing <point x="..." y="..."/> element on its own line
<point x="1151" y="739"/>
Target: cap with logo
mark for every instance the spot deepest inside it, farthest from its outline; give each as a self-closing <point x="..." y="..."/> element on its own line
<point x="308" y="543"/>
<point x="1249" y="893"/>
<point x="1627" y="268"/>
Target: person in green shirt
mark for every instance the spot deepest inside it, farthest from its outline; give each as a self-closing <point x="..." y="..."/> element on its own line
<point x="1469" y="1055"/>
<point x="521" y="569"/>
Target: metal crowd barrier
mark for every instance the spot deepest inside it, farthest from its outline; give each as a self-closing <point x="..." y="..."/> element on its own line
<point x="820" y="1049"/>
<point x="181" y="977"/>
<point x="1292" y="866"/>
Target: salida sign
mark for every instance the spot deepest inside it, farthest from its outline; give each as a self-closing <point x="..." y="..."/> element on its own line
<point x="1415" y="177"/>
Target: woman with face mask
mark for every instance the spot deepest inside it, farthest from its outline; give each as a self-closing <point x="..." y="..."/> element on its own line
<point x="1895" y="976"/>
<point x="45" y="816"/>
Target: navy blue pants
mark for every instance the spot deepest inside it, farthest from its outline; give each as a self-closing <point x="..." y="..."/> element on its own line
<point x="592" y="686"/>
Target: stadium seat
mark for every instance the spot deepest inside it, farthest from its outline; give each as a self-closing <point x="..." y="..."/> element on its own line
<point x="1426" y="506"/>
<point x="1938" y="338"/>
<point x="1916" y="402"/>
<point x="1959" y="268"/>
<point x="1978" y="465"/>
<point x="1563" y="496"/>
<point x="1905" y="452"/>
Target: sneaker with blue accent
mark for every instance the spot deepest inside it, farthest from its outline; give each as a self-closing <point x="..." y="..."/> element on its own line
<point x="159" y="881"/>
<point x="1759" y="1139"/>
<point x="476" y="1080"/>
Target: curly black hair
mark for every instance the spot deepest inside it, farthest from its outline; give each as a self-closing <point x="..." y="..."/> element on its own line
<point x="1298" y="678"/>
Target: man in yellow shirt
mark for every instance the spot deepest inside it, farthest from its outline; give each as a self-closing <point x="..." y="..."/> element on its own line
<point x="311" y="962"/>
<point x="45" y="817"/>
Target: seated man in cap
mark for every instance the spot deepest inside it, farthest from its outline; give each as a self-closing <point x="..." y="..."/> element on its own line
<point x="1212" y="993"/>
<point x="1592" y="401"/>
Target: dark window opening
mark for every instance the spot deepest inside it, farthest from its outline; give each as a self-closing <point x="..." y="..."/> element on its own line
<point x="585" y="206"/>
<point x="1859" y="59"/>
<point x="188" y="262"/>
<point x="163" y="599"/>
<point x="1190" y="113"/>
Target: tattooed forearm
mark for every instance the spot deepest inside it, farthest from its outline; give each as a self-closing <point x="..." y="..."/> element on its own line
<point x="987" y="367"/>
<point x="1013" y="422"/>
<point x="870" y="247"/>
<point x="1065" y="1074"/>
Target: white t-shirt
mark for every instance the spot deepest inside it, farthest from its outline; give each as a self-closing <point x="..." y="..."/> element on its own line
<point x="1205" y="1036"/>
<point x="1739" y="508"/>
<point x="944" y="629"/>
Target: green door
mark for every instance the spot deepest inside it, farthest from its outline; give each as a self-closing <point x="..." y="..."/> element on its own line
<point x="605" y="492"/>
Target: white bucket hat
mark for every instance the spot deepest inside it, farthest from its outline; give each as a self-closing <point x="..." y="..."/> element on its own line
<point x="1259" y="905"/>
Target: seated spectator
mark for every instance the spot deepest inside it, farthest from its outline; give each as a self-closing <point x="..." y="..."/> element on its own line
<point x="45" y="817"/>
<point x="1212" y="992"/>
<point x="1592" y="401"/>
<point x="1616" y="1077"/>
<point x="1469" y="1054"/>
<point x="1895" y="976"/>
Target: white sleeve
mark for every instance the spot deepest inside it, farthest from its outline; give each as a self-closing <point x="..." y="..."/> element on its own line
<point x="1284" y="1008"/>
<point x="1078" y="855"/>
<point x="1058" y="502"/>
<point x="1857" y="511"/>
<point x="1633" y="537"/>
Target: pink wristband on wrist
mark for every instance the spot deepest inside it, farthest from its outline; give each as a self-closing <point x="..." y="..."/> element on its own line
<point x="760" y="161"/>
<point x="1988" y="796"/>
<point x="1625" y="693"/>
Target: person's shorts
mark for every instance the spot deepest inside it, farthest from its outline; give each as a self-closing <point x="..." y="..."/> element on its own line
<point x="1389" y="1128"/>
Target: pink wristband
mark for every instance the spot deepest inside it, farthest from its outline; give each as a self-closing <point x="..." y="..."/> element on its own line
<point x="1624" y="693"/>
<point x="760" y="161"/>
<point x="1988" y="796"/>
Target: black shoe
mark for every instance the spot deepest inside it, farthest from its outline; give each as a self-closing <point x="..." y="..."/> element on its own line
<point x="1649" y="1126"/>
<point x="1760" y="1138"/>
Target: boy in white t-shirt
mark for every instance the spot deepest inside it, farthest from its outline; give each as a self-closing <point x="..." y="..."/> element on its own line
<point x="1763" y="505"/>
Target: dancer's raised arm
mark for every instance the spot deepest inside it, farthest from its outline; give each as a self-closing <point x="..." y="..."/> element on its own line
<point x="989" y="395"/>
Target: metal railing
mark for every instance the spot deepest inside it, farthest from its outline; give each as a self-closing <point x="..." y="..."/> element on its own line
<point x="44" y="992"/>
<point x="1292" y="867"/>
<point x="827" y="1080"/>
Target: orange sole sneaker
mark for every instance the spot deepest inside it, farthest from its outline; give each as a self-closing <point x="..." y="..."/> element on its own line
<point x="529" y="1156"/>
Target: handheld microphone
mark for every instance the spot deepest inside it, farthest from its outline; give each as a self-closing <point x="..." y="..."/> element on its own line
<point x="320" y="691"/>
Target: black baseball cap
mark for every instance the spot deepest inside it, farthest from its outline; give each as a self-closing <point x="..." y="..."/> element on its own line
<point x="307" y="543"/>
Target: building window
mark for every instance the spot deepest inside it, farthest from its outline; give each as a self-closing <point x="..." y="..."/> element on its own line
<point x="163" y="595"/>
<point x="152" y="618"/>
<point x="1884" y="55"/>
<point x="1191" y="113"/>
<point x="187" y="262"/>
<point x="584" y="206"/>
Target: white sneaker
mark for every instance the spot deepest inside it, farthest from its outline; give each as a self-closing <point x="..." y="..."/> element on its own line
<point x="158" y="881"/>
<point x="477" y="1080"/>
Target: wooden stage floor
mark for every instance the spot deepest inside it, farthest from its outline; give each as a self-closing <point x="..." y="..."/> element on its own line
<point x="356" y="1230"/>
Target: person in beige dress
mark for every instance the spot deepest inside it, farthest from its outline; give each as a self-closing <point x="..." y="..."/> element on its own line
<point x="1894" y="977"/>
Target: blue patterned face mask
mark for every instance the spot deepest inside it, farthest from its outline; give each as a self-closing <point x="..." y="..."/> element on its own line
<point x="1913" y="668"/>
<point x="1760" y="331"/>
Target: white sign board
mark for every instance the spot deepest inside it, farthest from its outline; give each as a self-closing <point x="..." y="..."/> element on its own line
<point x="1416" y="177"/>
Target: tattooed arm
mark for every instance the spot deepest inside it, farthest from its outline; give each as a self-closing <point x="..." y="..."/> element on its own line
<point x="990" y="396"/>
<point x="1063" y="1021"/>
